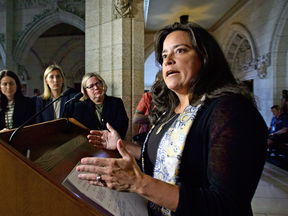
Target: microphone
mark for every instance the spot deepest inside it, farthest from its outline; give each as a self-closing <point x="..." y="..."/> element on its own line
<point x="76" y="97"/>
<point x="65" y="93"/>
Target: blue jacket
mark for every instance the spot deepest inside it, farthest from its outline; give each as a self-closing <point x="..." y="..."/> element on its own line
<point x="48" y="114"/>
<point x="280" y="124"/>
<point x="113" y="112"/>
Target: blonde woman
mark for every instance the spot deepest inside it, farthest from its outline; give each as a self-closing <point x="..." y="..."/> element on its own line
<point x="95" y="108"/>
<point x="54" y="86"/>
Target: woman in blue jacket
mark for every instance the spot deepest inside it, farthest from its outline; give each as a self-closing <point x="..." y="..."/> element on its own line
<point x="54" y="85"/>
<point x="96" y="108"/>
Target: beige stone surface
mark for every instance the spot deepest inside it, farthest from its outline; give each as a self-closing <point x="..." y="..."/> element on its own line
<point x="106" y="34"/>
<point x="138" y="57"/>
<point x="117" y="31"/>
<point x="106" y="11"/>
<point x="138" y="33"/>
<point x="92" y="61"/>
<point x="92" y="14"/>
<point x="105" y="58"/>
<point x="92" y="38"/>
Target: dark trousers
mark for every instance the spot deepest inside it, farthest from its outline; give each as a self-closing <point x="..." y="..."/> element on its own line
<point x="278" y="139"/>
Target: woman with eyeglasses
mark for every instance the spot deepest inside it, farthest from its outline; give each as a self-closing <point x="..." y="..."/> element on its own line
<point x="54" y="85"/>
<point x="15" y="108"/>
<point x="95" y="108"/>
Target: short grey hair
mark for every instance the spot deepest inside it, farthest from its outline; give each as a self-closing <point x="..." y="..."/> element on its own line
<point x="84" y="81"/>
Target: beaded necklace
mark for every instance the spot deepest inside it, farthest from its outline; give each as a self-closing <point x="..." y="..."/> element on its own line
<point x="163" y="125"/>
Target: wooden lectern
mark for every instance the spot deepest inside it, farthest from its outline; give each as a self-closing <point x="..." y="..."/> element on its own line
<point x="34" y="186"/>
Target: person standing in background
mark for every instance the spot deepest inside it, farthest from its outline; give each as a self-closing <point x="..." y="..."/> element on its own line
<point x="141" y="115"/>
<point x="284" y="101"/>
<point x="278" y="129"/>
<point x="36" y="93"/>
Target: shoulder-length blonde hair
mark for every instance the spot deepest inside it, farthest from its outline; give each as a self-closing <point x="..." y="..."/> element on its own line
<point x="47" y="91"/>
<point x="84" y="81"/>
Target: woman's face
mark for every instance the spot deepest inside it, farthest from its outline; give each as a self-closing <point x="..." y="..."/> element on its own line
<point x="54" y="80"/>
<point x="8" y="87"/>
<point x="94" y="89"/>
<point x="180" y="62"/>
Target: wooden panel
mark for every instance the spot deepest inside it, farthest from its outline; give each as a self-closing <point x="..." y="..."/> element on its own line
<point x="44" y="137"/>
<point x="25" y="188"/>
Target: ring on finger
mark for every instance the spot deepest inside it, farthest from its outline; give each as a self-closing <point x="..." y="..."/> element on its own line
<point x="98" y="179"/>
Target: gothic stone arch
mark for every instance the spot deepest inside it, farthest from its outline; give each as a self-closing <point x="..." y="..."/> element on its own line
<point x="66" y="48"/>
<point x="239" y="49"/>
<point x="27" y="40"/>
<point x="77" y="71"/>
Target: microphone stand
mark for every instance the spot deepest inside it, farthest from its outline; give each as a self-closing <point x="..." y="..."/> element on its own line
<point x="76" y="97"/>
<point x="67" y="130"/>
<point x="21" y="126"/>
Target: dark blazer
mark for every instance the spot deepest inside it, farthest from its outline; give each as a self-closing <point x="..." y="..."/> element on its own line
<point x="113" y="112"/>
<point x="48" y="114"/>
<point x="23" y="110"/>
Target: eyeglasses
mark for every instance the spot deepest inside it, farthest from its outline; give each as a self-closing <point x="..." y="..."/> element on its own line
<point x="98" y="84"/>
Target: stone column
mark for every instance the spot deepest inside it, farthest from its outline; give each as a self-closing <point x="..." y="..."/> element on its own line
<point x="114" y="48"/>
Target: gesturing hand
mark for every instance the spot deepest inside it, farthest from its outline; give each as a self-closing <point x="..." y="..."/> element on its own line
<point x="121" y="174"/>
<point x="104" y="139"/>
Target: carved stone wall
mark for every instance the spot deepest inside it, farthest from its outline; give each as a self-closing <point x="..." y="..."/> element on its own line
<point x="122" y="9"/>
<point x="22" y="25"/>
<point x="46" y="7"/>
<point x="240" y="55"/>
<point x="264" y="25"/>
<point x="242" y="62"/>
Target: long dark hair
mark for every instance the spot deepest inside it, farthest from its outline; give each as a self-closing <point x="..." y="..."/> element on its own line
<point x="214" y="75"/>
<point x="18" y="94"/>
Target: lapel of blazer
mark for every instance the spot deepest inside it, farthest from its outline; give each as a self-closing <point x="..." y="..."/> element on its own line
<point x="63" y="100"/>
<point x="15" y="116"/>
<point x="106" y="106"/>
<point x="91" y="112"/>
<point x="50" y="110"/>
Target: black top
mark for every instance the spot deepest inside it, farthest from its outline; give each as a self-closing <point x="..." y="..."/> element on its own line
<point x="154" y="141"/>
<point x="222" y="160"/>
<point x="23" y="110"/>
<point x="113" y="112"/>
